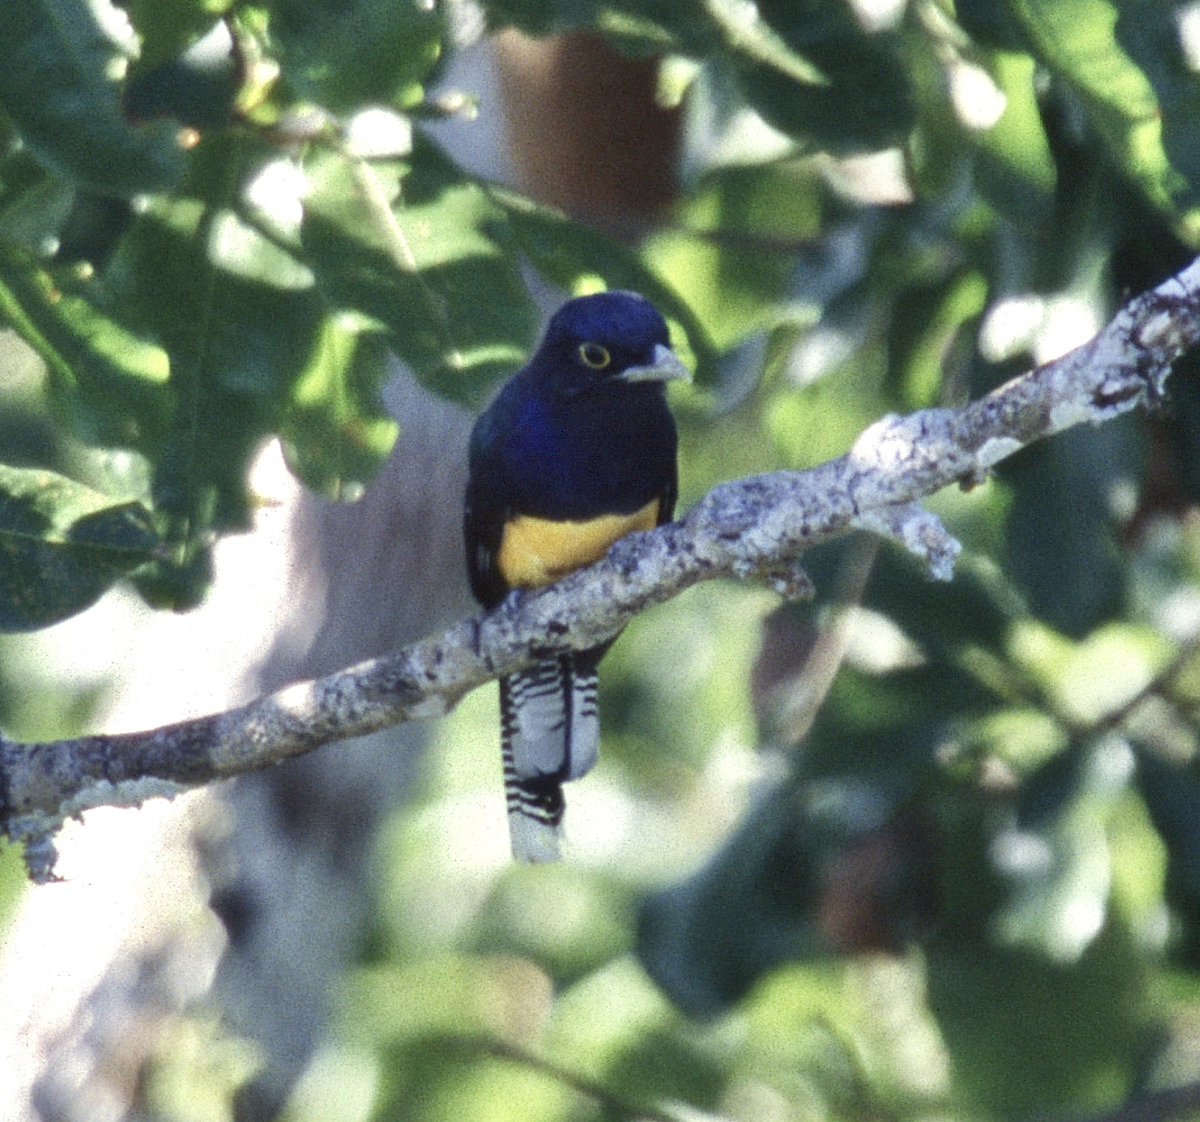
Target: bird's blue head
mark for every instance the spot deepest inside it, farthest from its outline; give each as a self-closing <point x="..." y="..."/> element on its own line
<point x="609" y="339"/>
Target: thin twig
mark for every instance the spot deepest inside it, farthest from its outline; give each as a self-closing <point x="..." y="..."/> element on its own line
<point x="611" y="1103"/>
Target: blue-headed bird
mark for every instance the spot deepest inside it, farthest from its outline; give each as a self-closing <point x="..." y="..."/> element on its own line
<point x="577" y="450"/>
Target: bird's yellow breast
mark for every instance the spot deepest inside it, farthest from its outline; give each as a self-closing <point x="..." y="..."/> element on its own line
<point x="537" y="551"/>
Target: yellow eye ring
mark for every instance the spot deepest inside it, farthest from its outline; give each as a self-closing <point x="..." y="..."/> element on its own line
<point x="594" y="355"/>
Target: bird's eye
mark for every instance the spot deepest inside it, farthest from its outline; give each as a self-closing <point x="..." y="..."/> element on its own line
<point x="594" y="355"/>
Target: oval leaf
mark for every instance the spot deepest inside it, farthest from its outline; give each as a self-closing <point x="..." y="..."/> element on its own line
<point x="62" y="545"/>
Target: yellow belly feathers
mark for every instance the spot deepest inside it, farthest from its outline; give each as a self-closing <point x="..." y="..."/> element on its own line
<point x="537" y="551"/>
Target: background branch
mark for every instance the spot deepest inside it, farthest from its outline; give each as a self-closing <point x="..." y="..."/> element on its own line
<point x="753" y="527"/>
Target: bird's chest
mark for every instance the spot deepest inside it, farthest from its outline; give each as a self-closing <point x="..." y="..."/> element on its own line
<point x="589" y="460"/>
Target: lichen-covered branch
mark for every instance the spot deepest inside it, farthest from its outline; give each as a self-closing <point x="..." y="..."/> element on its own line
<point x="755" y="527"/>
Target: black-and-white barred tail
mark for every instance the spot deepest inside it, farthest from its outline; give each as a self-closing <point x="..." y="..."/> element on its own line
<point x="550" y="733"/>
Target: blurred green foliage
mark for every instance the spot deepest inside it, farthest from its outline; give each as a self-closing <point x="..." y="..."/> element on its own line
<point x="934" y="855"/>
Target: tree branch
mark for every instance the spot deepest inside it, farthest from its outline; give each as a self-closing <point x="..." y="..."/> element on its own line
<point x="755" y="527"/>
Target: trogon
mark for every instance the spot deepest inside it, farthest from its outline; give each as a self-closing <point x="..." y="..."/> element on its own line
<point x="577" y="450"/>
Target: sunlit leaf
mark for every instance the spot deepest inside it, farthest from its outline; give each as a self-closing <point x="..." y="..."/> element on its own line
<point x="1016" y="168"/>
<point x="335" y="431"/>
<point x="1172" y="795"/>
<point x="109" y="380"/>
<point x="1077" y="40"/>
<point x="62" y="545"/>
<point x="1054" y="856"/>
<point x="235" y="342"/>
<point x="1152" y="35"/>
<point x="421" y="252"/>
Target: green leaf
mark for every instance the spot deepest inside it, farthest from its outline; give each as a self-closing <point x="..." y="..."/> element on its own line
<point x="888" y="726"/>
<point x="641" y="26"/>
<point x="1055" y="858"/>
<point x="168" y="27"/>
<point x="342" y="53"/>
<point x="990" y="23"/>
<point x="1172" y="795"/>
<point x="33" y="212"/>
<point x="1016" y="170"/>
<point x="108" y="380"/>
<point x="1150" y="32"/>
<point x="54" y="85"/>
<point x="975" y="609"/>
<point x="62" y="545"/>
<point x="1182" y="423"/>
<point x="238" y="324"/>
<point x="421" y="251"/>
<point x="926" y="323"/>
<point x="1077" y="40"/>
<point x="1061" y="548"/>
<point x="707" y="939"/>
<point x="810" y="69"/>
<point x="1074" y="1032"/>
<point x="179" y="582"/>
<point x="825" y="80"/>
<point x="256" y="346"/>
<point x="199" y="87"/>
<point x="335" y="431"/>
